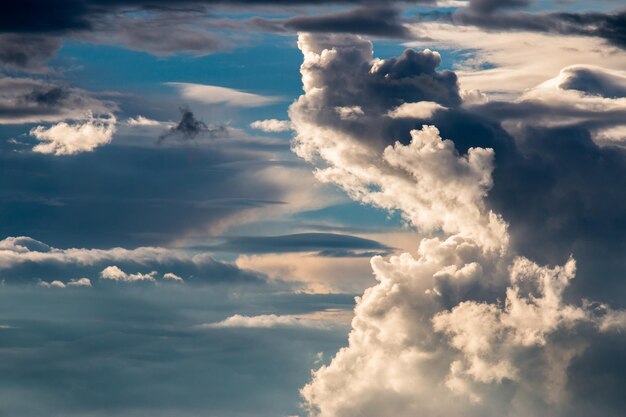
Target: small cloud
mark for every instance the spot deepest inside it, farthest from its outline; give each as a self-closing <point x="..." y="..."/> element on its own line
<point x="53" y="284"/>
<point x="189" y="128"/>
<point x="326" y="320"/>
<point x="69" y="139"/>
<point x="212" y="94"/>
<point x="419" y="110"/>
<point x="141" y="121"/>
<point x="170" y="276"/>
<point x="113" y="273"/>
<point x="81" y="282"/>
<point x="271" y="125"/>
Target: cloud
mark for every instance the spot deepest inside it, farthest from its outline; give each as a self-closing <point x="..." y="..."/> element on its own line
<point x="302" y="242"/>
<point x="271" y="125"/>
<point x="501" y="67"/>
<point x="28" y="100"/>
<point x="431" y="336"/>
<point x="490" y="6"/>
<point x="607" y="26"/>
<point x="52" y="284"/>
<point x="169" y="276"/>
<point x="189" y="128"/>
<point x="211" y="94"/>
<point x="27" y="52"/>
<point x="69" y="139"/>
<point x="80" y="282"/>
<point x="420" y="110"/>
<point x="113" y="273"/>
<point x="382" y="21"/>
<point x="141" y="121"/>
<point x="324" y="320"/>
<point x="459" y="183"/>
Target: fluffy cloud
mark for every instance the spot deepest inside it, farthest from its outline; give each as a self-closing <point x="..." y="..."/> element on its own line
<point x="421" y="110"/>
<point x="431" y="336"/>
<point x="170" y="276"/>
<point x="80" y="282"/>
<point x="141" y="121"/>
<point x="114" y="273"/>
<point x="69" y="139"/>
<point x="271" y="125"/>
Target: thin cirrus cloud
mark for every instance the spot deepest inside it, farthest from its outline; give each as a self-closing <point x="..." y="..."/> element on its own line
<point x="211" y="94"/>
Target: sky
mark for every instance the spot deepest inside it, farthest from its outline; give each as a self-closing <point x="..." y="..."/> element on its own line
<point x="271" y="208"/>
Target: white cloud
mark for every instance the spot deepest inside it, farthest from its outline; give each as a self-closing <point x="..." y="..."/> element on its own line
<point x="141" y="121"/>
<point x="430" y="338"/>
<point x="211" y="94"/>
<point x="113" y="273"/>
<point x="170" y="276"/>
<point x="507" y="63"/>
<point x="419" y="110"/>
<point x="80" y="282"/>
<point x="16" y="251"/>
<point x="271" y="125"/>
<point x="319" y="320"/>
<point x="53" y="284"/>
<point x="69" y="139"/>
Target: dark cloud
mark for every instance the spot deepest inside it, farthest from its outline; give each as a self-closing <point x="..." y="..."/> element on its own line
<point x="608" y="26"/>
<point x="27" y="52"/>
<point x="595" y="81"/>
<point x="190" y="128"/>
<point x="374" y="21"/>
<point x="490" y="6"/>
<point x="40" y="16"/>
<point x="29" y="100"/>
<point x="302" y="242"/>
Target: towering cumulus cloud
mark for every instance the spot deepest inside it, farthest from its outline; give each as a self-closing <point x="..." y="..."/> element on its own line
<point x="464" y="327"/>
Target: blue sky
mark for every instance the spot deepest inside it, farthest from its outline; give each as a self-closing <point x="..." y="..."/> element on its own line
<point x="319" y="209"/>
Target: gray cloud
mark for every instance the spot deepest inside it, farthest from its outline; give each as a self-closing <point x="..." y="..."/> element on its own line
<point x="303" y="242"/>
<point x="27" y="52"/>
<point x="28" y="100"/>
<point x="190" y="128"/>
<point x="609" y="26"/>
<point x="374" y="21"/>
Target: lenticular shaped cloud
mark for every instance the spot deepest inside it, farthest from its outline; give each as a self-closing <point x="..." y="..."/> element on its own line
<point x="211" y="94"/>
<point x="69" y="139"/>
<point x="431" y="337"/>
